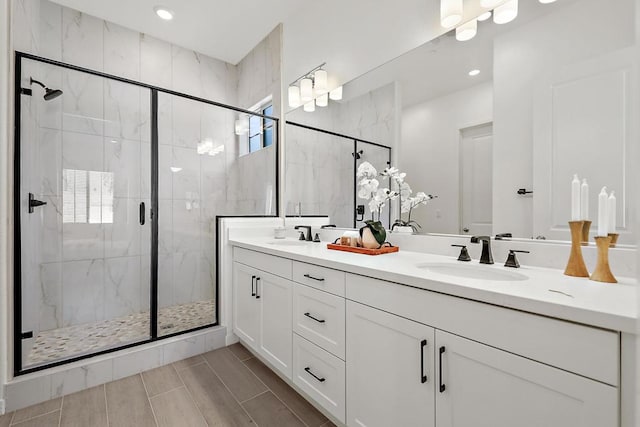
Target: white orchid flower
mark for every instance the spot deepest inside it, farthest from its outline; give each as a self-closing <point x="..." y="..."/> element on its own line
<point x="366" y="170"/>
<point x="405" y="190"/>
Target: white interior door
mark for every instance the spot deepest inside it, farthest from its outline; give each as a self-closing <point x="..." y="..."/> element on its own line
<point x="476" y="169"/>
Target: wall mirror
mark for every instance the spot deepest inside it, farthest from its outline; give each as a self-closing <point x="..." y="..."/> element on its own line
<point x="554" y="94"/>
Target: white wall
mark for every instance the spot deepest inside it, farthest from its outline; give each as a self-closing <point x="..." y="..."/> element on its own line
<point x="572" y="34"/>
<point x="429" y="147"/>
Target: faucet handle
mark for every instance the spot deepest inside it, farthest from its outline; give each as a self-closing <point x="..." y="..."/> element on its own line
<point x="302" y="236"/>
<point x="512" y="260"/>
<point x="464" y="254"/>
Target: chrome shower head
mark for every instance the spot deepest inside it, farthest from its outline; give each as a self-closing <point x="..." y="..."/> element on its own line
<point x="49" y="93"/>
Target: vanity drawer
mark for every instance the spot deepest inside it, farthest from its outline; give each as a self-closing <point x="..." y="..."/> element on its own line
<point x="321" y="375"/>
<point x="322" y="278"/>
<point x="319" y="317"/>
<point x="269" y="263"/>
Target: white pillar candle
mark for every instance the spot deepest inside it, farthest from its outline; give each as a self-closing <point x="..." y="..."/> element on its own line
<point x="603" y="220"/>
<point x="575" y="199"/>
<point x="584" y="200"/>
<point x="611" y="213"/>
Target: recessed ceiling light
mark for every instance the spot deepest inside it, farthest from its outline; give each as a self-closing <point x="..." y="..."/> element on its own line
<point x="163" y="13"/>
<point x="546" y="1"/>
<point x="484" y="16"/>
<point x="175" y="169"/>
<point x="473" y="73"/>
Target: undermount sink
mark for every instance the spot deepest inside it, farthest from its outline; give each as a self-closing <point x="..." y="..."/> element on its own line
<point x="287" y="242"/>
<point x="471" y="271"/>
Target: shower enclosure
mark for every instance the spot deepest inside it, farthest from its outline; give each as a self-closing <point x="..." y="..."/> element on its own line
<point x="321" y="174"/>
<point x="117" y="188"/>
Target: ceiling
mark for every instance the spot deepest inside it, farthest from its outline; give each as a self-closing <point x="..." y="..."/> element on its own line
<point x="226" y="30"/>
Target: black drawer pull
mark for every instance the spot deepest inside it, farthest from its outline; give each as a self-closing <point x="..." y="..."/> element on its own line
<point x="308" y="369"/>
<point x="253" y="285"/>
<point x="257" y="287"/>
<point x="317" y="320"/>
<point x="423" y="377"/>
<point x="308" y="276"/>
<point x="442" y="386"/>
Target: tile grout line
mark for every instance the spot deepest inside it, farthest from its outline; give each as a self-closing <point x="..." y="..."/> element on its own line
<point x="153" y="412"/>
<point x="13" y="416"/>
<point x="229" y="390"/>
<point x="295" y="414"/>
<point x="190" y="395"/>
<point x="256" y="396"/>
<point x="60" y="417"/>
<point x="106" y="404"/>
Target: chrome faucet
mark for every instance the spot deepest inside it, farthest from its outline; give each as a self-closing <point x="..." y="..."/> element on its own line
<point x="486" y="257"/>
<point x="308" y="237"/>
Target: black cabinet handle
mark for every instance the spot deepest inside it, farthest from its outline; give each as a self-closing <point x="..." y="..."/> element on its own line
<point x="308" y="276"/>
<point x="423" y="377"/>
<point x="442" y="386"/>
<point x="317" y="320"/>
<point x="257" y="288"/>
<point x="142" y="215"/>
<point x="253" y="284"/>
<point x="308" y="369"/>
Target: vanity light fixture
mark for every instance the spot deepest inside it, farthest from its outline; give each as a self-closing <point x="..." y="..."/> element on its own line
<point x="310" y="106"/>
<point x="336" y="94"/>
<point x="506" y="12"/>
<point x="294" y="97"/>
<point x="474" y="73"/>
<point x="450" y="13"/>
<point x="322" y="100"/>
<point x="484" y="16"/>
<point x="467" y="31"/>
<point x="306" y="90"/>
<point x="320" y="82"/>
<point x="163" y="13"/>
<point x="175" y="169"/>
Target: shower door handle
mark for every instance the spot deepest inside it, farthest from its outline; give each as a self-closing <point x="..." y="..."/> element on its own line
<point x="33" y="203"/>
<point x="142" y="214"/>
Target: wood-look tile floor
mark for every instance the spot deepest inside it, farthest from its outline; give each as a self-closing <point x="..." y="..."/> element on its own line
<point x="225" y="387"/>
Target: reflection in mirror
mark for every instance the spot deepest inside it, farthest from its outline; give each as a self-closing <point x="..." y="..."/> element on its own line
<point x="496" y="126"/>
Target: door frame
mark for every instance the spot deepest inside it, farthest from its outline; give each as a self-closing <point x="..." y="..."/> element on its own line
<point x="17" y="242"/>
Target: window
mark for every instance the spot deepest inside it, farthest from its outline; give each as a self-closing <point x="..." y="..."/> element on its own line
<point x="261" y="130"/>
<point x="87" y="197"/>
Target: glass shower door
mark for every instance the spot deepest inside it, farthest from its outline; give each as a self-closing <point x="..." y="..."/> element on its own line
<point x="84" y="213"/>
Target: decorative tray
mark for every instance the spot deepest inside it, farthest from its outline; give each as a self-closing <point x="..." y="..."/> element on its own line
<point x="380" y="251"/>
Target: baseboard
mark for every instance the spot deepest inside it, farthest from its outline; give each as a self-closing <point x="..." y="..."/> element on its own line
<point x="2" y="407"/>
<point x="231" y="338"/>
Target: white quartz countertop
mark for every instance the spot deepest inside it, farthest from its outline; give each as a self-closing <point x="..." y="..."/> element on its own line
<point x="545" y="291"/>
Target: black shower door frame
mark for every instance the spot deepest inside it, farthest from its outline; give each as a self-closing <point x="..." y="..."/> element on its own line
<point x="17" y="245"/>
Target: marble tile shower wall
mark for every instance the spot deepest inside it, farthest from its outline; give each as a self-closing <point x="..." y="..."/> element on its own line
<point x="326" y="163"/>
<point x="99" y="271"/>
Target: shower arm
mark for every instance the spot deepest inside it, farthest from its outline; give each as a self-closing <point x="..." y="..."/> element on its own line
<point x="32" y="81"/>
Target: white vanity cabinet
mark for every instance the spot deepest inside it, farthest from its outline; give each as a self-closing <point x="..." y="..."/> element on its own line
<point x="478" y="385"/>
<point x="262" y="314"/>
<point x="376" y="354"/>
<point x="390" y="376"/>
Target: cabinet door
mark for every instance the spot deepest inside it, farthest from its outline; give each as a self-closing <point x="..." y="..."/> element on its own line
<point x="390" y="378"/>
<point x="275" y="296"/>
<point x="246" y="307"/>
<point x="481" y="386"/>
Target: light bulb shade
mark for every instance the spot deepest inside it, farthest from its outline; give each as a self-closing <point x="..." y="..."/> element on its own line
<point x="320" y="82"/>
<point x="322" y="100"/>
<point x="450" y="13"/>
<point x="506" y="12"/>
<point x="294" y="97"/>
<point x="489" y="4"/>
<point x="484" y="16"/>
<point x="467" y="31"/>
<point x="336" y="94"/>
<point x="310" y="106"/>
<point x="306" y="90"/>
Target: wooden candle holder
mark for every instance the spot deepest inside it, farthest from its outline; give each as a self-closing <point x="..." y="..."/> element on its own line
<point x="576" y="266"/>
<point x="586" y="227"/>
<point x="614" y="239"/>
<point x="602" y="272"/>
